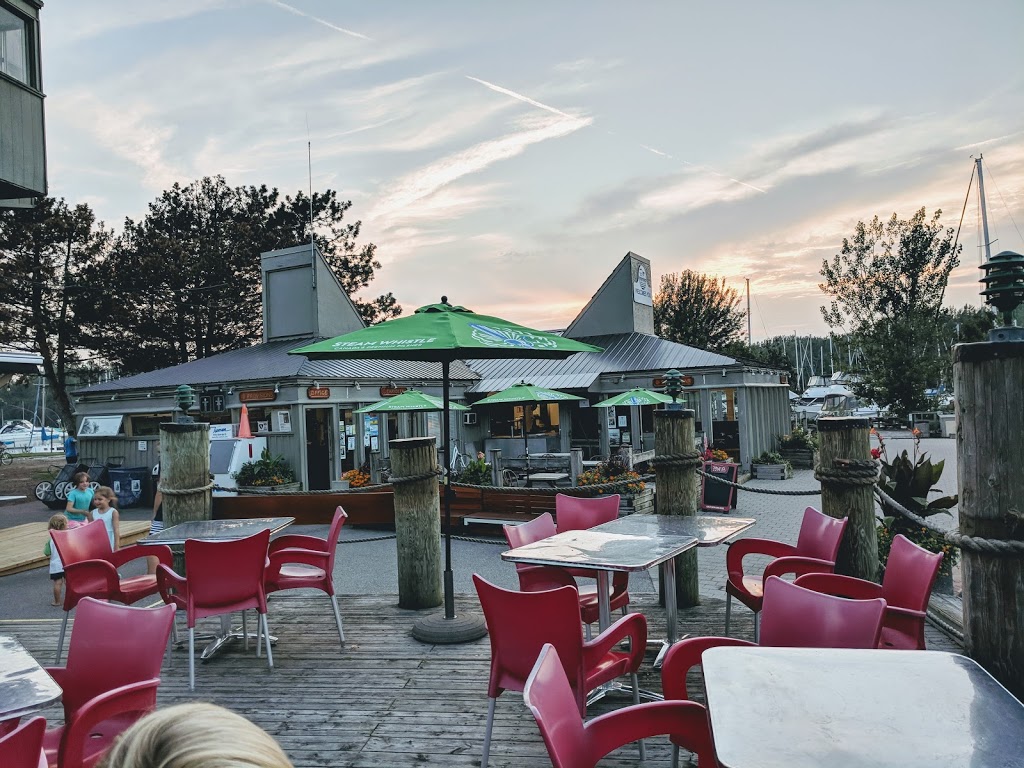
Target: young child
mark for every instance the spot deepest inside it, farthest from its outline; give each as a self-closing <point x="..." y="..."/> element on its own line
<point x="104" y="500"/>
<point x="79" y="500"/>
<point x="57" y="523"/>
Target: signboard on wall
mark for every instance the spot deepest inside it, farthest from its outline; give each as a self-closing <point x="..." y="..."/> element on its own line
<point x="256" y="395"/>
<point x="392" y="391"/>
<point x="642" y="293"/>
<point x="318" y="393"/>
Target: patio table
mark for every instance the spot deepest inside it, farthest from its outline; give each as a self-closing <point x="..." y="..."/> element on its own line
<point x="25" y="686"/>
<point x="552" y="478"/>
<point x="631" y="543"/>
<point x="220" y="530"/>
<point x="804" y="707"/>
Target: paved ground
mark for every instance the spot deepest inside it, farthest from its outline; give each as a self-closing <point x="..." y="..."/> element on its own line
<point x="366" y="563"/>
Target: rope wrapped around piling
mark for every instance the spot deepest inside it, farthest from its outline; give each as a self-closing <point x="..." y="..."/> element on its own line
<point x="435" y="472"/>
<point x="848" y="472"/>
<point x="185" y="491"/>
<point x="690" y="460"/>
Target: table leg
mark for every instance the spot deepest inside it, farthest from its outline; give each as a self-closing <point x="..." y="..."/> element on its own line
<point x="228" y="634"/>
<point x="668" y="578"/>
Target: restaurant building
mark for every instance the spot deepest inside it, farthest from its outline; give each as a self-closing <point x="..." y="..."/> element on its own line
<point x="305" y="408"/>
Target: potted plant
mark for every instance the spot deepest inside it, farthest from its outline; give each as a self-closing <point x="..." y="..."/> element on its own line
<point x="356" y="478"/>
<point x="477" y="472"/>
<point x="798" y="448"/>
<point x="909" y="480"/>
<point x="268" y="472"/>
<point x="636" y="496"/>
<point x="771" y="466"/>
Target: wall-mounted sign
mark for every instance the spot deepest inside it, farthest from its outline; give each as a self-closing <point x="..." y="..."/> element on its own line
<point x="642" y="286"/>
<point x="392" y="391"/>
<point x="318" y="393"/>
<point x="211" y="401"/>
<point x="661" y="382"/>
<point x="687" y="381"/>
<point x="256" y="395"/>
<point x="284" y="421"/>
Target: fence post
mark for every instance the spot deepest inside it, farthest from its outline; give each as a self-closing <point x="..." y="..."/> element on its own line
<point x="988" y="378"/>
<point x="496" y="477"/>
<point x="677" y="493"/>
<point x="185" y="466"/>
<point x="845" y="450"/>
<point x="626" y="452"/>
<point x="575" y="465"/>
<point x="417" y="523"/>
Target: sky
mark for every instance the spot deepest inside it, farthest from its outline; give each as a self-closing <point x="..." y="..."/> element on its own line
<point x="508" y="155"/>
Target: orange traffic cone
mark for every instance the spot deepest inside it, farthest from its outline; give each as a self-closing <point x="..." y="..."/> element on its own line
<point x="243" y="423"/>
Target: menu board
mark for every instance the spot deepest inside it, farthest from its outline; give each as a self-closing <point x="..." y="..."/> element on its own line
<point x="717" y="496"/>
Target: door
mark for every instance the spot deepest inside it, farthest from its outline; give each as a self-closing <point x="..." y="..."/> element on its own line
<point x="318" y="448"/>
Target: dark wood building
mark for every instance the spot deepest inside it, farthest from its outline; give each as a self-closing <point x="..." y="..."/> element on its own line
<point x="22" y="131"/>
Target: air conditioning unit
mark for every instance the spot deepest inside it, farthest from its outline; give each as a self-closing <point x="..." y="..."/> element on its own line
<point x="468" y="418"/>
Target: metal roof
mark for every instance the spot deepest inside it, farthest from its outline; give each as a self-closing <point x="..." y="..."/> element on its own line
<point x="270" y="361"/>
<point x="623" y="353"/>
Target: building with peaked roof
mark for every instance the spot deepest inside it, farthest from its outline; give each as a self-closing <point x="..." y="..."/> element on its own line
<point x="305" y="408"/>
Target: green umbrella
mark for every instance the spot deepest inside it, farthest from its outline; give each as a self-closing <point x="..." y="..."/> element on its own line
<point x="636" y="396"/>
<point x="442" y="333"/>
<point x="526" y="393"/>
<point x="410" y="400"/>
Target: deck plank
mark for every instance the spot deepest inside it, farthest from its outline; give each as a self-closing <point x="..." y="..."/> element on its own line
<point x="386" y="699"/>
<point x="21" y="546"/>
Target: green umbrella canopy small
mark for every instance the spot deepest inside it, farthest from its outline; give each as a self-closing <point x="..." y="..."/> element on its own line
<point x="636" y="396"/>
<point x="526" y="393"/>
<point x="411" y="400"/>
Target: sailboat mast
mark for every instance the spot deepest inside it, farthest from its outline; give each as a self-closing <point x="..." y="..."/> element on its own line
<point x="984" y="212"/>
<point x="749" y="334"/>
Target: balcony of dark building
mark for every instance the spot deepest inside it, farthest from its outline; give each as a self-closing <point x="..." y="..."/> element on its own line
<point x="22" y="133"/>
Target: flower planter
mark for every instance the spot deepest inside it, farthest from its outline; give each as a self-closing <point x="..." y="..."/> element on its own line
<point x="637" y="503"/>
<point x="770" y="471"/>
<point x="798" y="457"/>
<point x="262" y="488"/>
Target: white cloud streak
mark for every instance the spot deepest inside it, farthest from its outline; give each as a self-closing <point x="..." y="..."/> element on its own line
<point x="318" y="20"/>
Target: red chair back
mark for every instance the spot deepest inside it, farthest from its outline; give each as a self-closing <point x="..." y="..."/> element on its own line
<point x="340" y="517"/>
<point x="801" y="618"/>
<point x="577" y="513"/>
<point x="86" y="542"/>
<point x="549" y="696"/>
<point x="22" y="747"/>
<point x="113" y="645"/>
<point x="909" y="574"/>
<point x="820" y="535"/>
<point x="526" y="533"/>
<point x="226" y="574"/>
<point x="520" y="623"/>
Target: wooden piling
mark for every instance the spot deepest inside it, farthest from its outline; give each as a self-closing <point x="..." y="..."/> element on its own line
<point x="185" y="476"/>
<point x="845" y="447"/>
<point x="677" y="492"/>
<point x="988" y="379"/>
<point x="417" y="523"/>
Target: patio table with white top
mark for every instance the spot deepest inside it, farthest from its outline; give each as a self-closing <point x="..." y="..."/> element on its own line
<point x="25" y="686"/>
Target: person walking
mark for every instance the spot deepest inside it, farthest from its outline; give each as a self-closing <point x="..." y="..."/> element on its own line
<point x="104" y="500"/>
<point x="78" y="509"/>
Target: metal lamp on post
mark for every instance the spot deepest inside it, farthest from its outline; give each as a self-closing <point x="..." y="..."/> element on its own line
<point x="674" y="389"/>
<point x="184" y="398"/>
<point x="1004" y="292"/>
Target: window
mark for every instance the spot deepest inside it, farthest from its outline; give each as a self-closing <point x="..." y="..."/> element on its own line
<point x="14" y="50"/>
<point x="100" y="426"/>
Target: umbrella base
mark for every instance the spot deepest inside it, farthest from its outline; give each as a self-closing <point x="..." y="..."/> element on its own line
<point x="436" y="629"/>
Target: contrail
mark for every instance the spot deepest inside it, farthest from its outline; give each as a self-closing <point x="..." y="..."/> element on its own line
<point x="538" y="104"/>
<point x="336" y="28"/>
<point x="520" y="97"/>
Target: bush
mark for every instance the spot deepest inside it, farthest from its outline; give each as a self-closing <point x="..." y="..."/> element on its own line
<point x="771" y="457"/>
<point x="265" y="471"/>
<point x="610" y="471"/>
<point x="798" y="438"/>
<point x="477" y="472"/>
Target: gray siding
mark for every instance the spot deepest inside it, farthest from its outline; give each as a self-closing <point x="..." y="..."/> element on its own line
<point x="22" y="144"/>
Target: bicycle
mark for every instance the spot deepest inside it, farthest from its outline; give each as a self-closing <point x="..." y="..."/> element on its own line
<point x="459" y="461"/>
<point x="6" y="457"/>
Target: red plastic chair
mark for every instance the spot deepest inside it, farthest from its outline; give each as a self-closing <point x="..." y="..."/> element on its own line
<point x="793" y="617"/>
<point x="572" y="743"/>
<point x="223" y="577"/>
<point x="815" y="552"/>
<point x="906" y="587"/>
<point x="533" y="578"/>
<point x="23" y="746"/>
<point x="110" y="680"/>
<point x="299" y="562"/>
<point x="520" y="623"/>
<point x="90" y="569"/>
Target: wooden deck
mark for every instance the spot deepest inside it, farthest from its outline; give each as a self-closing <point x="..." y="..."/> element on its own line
<point x="21" y="546"/>
<point x="385" y="700"/>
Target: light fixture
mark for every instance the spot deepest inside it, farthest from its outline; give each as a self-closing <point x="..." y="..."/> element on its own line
<point x="358" y="386"/>
<point x="231" y="390"/>
<point x="149" y="394"/>
<point x="316" y="385"/>
<point x="277" y="389"/>
<point x="113" y="397"/>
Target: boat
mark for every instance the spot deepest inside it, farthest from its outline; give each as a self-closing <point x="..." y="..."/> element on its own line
<point x="22" y="435"/>
<point x="833" y="397"/>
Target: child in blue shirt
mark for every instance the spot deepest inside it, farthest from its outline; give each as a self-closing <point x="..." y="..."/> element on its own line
<point x="79" y="499"/>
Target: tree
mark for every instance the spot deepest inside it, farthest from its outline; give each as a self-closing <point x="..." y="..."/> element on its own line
<point x="43" y="253"/>
<point x="887" y="285"/>
<point x="184" y="282"/>
<point x="697" y="310"/>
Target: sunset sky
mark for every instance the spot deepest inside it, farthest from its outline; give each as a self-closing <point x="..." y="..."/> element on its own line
<point x="509" y="154"/>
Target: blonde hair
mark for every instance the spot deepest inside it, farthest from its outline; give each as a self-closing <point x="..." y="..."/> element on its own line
<point x="105" y="492"/>
<point x="195" y="736"/>
<point x="58" y="523"/>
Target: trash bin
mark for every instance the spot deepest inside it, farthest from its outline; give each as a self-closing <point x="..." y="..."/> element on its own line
<point x="133" y="486"/>
<point x="948" y="422"/>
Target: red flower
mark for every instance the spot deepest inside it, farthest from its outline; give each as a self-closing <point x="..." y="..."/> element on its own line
<point x="876" y="453"/>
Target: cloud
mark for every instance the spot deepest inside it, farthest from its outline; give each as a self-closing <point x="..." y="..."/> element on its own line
<point x="324" y="22"/>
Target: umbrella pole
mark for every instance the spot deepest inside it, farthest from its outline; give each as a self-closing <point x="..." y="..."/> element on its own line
<point x="526" y="446"/>
<point x="449" y="580"/>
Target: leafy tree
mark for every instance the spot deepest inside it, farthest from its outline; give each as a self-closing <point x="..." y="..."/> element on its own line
<point x="887" y="285"/>
<point x="769" y="354"/>
<point x="697" y="310"/>
<point x="184" y="282"/>
<point x="43" y="253"/>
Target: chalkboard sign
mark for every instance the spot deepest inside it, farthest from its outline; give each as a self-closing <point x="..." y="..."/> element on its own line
<point x="718" y="496"/>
